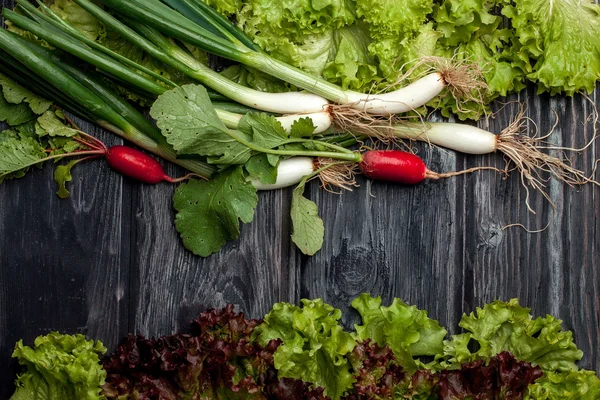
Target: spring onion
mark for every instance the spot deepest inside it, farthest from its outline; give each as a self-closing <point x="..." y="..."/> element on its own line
<point x="165" y="19"/>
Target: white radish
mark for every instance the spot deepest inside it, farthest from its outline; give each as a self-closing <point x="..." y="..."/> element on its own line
<point x="402" y="100"/>
<point x="289" y="172"/>
<point x="460" y="137"/>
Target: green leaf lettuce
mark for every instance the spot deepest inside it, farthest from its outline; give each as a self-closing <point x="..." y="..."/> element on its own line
<point x="60" y="367"/>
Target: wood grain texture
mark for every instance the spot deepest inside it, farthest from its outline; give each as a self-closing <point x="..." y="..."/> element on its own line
<point x="108" y="260"/>
<point x="64" y="263"/>
<point x="171" y="286"/>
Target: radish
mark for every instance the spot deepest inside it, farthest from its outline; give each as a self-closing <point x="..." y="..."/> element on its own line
<point x="127" y="161"/>
<point x="402" y="167"/>
<point x="393" y="166"/>
<point x="138" y="165"/>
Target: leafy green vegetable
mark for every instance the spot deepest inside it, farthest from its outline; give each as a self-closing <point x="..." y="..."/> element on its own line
<point x="556" y="385"/>
<point x="14" y="114"/>
<point x="16" y="94"/>
<point x="314" y="348"/>
<point x="190" y="124"/>
<point x="49" y="124"/>
<point x="78" y="18"/>
<point x="62" y="175"/>
<point x="405" y="329"/>
<point x="17" y="155"/>
<point x="393" y="17"/>
<point x="60" y="367"/>
<point x="351" y="65"/>
<point x="308" y="227"/>
<point x="506" y="326"/>
<point x="208" y="212"/>
<point x="561" y="37"/>
<point x="226" y="7"/>
<point x="260" y="168"/>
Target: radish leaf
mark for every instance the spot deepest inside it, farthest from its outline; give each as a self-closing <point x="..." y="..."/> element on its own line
<point x="16" y="94"/>
<point x="260" y="168"/>
<point x="49" y="124"/>
<point x="62" y="175"/>
<point x="16" y="156"/>
<point x="308" y="228"/>
<point x="302" y="127"/>
<point x="208" y="212"/>
<point x="264" y="129"/>
<point x="14" y="114"/>
<point x="189" y="122"/>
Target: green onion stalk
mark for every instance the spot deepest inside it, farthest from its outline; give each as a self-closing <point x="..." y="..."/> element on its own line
<point x="194" y="22"/>
<point x="91" y="99"/>
<point x="67" y="38"/>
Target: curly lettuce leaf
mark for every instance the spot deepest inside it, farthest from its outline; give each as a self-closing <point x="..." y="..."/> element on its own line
<point x="506" y="326"/>
<point x="557" y="385"/>
<point x="65" y="367"/>
<point x="393" y="17"/>
<point x="562" y="37"/>
<point x="352" y="66"/>
<point x="78" y="18"/>
<point x="460" y="21"/>
<point x="217" y="360"/>
<point x="295" y="18"/>
<point x="314" y="346"/>
<point x="225" y="7"/>
<point x="405" y="329"/>
<point x="500" y="377"/>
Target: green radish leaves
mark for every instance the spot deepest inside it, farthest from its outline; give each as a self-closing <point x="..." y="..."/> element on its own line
<point x="32" y="139"/>
<point x="308" y="227"/>
<point x="15" y="94"/>
<point x="17" y="155"/>
<point x="208" y="212"/>
<point x="190" y="124"/>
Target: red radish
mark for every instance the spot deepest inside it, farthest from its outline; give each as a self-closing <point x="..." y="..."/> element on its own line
<point x="402" y="167"/>
<point x="393" y="166"/>
<point x="138" y="165"/>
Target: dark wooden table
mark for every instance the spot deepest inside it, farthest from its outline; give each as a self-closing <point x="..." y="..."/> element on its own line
<point x="108" y="261"/>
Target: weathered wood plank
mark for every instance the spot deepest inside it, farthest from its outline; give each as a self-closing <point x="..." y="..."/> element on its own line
<point x="171" y="286"/>
<point x="62" y="260"/>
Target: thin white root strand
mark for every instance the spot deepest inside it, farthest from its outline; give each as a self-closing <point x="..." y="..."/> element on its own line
<point x="336" y="174"/>
<point x="525" y="228"/>
<point x="440" y="175"/>
<point x="526" y="154"/>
